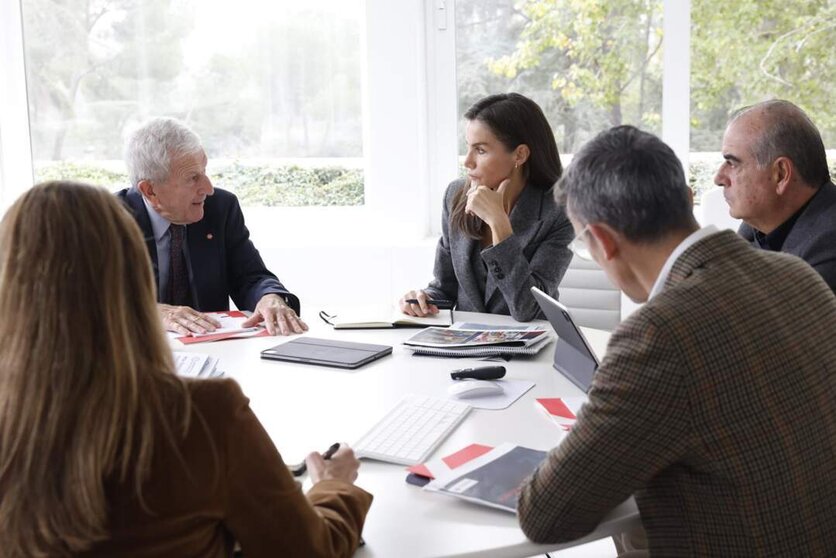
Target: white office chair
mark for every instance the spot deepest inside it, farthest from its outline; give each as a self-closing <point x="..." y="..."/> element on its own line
<point x="715" y="211"/>
<point x="589" y="294"/>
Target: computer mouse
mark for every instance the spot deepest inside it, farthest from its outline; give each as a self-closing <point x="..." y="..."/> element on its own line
<point x="464" y="389"/>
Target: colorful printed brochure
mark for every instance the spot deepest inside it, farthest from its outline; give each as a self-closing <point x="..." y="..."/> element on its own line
<point x="493" y="479"/>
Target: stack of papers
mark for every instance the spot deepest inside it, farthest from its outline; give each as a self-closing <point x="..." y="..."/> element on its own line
<point x="195" y="365"/>
<point x="467" y="339"/>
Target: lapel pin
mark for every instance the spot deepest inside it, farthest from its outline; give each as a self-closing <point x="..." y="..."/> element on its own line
<point x="209" y="236"/>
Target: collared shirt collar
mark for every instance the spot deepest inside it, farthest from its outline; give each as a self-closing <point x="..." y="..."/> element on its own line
<point x="774" y="241"/>
<point x="159" y="224"/>
<point x="689" y="241"/>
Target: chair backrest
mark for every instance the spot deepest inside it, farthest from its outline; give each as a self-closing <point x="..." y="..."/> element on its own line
<point x="588" y="293"/>
<point x="715" y="211"/>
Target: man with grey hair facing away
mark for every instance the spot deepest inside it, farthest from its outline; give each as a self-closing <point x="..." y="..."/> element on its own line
<point x="197" y="240"/>
<point x="775" y="178"/>
<point x="714" y="404"/>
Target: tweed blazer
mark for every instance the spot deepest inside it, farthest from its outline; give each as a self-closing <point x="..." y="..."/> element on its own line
<point x="535" y="255"/>
<point x="228" y="483"/>
<point x="813" y="236"/>
<point x="715" y="405"/>
<point x="222" y="262"/>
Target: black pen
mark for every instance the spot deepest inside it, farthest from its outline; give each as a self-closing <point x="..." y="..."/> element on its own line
<point x="443" y="304"/>
<point x="326" y="455"/>
<point x="302" y="468"/>
<point x="329" y="453"/>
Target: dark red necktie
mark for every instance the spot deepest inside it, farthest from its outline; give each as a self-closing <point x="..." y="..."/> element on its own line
<point x="178" y="275"/>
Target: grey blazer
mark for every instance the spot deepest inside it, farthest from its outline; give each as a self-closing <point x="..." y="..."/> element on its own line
<point x="536" y="255"/>
<point x="813" y="236"/>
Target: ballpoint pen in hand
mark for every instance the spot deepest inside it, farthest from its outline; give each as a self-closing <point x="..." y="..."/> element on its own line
<point x="442" y="304"/>
<point x="301" y="468"/>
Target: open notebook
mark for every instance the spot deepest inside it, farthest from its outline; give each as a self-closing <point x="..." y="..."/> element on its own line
<point x="384" y="318"/>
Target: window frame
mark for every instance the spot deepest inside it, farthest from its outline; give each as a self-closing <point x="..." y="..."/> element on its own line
<point x="16" y="174"/>
<point x="394" y="130"/>
<point x="676" y="79"/>
<point x="409" y="118"/>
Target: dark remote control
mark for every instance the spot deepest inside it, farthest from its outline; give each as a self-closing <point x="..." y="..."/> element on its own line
<point x="480" y="373"/>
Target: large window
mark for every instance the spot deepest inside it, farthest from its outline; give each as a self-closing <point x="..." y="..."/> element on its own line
<point x="747" y="51"/>
<point x="589" y="65"/>
<point x="592" y="64"/>
<point x="346" y="102"/>
<point x="273" y="87"/>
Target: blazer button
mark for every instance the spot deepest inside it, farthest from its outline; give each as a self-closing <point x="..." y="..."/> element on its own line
<point x="500" y="276"/>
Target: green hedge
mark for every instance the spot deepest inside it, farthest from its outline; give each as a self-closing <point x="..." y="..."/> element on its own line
<point x="292" y="186"/>
<point x="90" y="173"/>
<point x="296" y="186"/>
<point x="259" y="186"/>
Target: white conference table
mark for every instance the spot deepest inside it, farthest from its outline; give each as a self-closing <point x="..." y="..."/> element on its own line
<point x="307" y="408"/>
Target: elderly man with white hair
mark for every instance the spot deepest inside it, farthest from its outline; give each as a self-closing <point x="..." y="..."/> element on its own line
<point x="196" y="237"/>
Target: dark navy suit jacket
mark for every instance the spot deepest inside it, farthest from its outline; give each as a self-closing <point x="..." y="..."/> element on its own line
<point x="222" y="260"/>
<point x="813" y="236"/>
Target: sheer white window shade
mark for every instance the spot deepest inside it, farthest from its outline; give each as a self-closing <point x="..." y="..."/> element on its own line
<point x="15" y="154"/>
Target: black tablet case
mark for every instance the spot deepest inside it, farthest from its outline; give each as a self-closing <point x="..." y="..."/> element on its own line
<point x="327" y="352"/>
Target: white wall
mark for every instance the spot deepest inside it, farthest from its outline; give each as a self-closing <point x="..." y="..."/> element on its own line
<point x="329" y="276"/>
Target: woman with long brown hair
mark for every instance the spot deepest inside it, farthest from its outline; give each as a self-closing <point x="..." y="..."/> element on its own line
<point x="502" y="231"/>
<point x="104" y="451"/>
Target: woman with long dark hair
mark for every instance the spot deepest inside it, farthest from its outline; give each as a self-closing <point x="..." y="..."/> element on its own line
<point x="104" y="451"/>
<point x="502" y="231"/>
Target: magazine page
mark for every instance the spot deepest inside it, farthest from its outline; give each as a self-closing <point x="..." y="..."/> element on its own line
<point x="458" y="337"/>
<point x="492" y="479"/>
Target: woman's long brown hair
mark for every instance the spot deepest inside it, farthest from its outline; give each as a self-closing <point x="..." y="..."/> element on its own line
<point x="86" y="374"/>
<point x="515" y="120"/>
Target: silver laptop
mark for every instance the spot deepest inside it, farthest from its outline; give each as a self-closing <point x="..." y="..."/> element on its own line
<point x="573" y="356"/>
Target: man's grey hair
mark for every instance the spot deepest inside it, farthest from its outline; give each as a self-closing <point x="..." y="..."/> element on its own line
<point x="787" y="131"/>
<point x="630" y="180"/>
<point x="150" y="148"/>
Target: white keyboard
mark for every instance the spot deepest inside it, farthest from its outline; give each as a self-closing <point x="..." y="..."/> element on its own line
<point x="411" y="430"/>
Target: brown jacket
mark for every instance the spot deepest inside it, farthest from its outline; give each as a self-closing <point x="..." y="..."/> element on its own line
<point x="716" y="406"/>
<point x="230" y="485"/>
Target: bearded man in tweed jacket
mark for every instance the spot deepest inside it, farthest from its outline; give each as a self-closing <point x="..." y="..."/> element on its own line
<point x="714" y="404"/>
